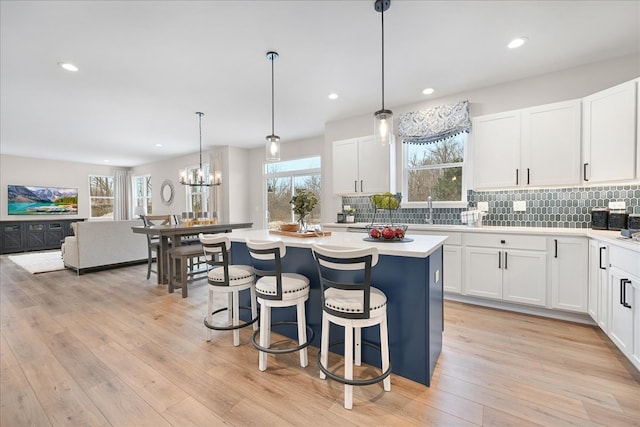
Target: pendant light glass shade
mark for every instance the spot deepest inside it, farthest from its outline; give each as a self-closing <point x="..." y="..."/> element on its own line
<point x="383" y="118"/>
<point x="273" y="140"/>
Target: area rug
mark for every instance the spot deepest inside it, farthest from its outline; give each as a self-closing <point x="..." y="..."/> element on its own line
<point x="39" y="262"/>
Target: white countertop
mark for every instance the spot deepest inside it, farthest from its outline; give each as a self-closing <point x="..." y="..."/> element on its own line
<point x="611" y="237"/>
<point x="421" y="247"/>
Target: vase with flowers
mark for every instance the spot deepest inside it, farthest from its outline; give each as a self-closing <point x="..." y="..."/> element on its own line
<point x="302" y="204"/>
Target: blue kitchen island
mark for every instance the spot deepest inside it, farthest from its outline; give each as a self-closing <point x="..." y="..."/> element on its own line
<point x="409" y="273"/>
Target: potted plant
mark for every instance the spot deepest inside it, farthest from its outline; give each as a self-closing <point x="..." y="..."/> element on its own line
<point x="302" y="204"/>
<point x="350" y="214"/>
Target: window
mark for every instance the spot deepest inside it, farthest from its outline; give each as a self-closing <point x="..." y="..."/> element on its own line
<point x="435" y="170"/>
<point x="101" y="196"/>
<point x="142" y="192"/>
<point x="197" y="197"/>
<point x="282" y="178"/>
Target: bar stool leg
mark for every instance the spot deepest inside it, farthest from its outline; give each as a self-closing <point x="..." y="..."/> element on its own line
<point x="348" y="365"/>
<point x="209" y="315"/>
<point x="236" y="317"/>
<point x="384" y="348"/>
<point x="358" y="346"/>
<point x="230" y="307"/>
<point x="264" y="332"/>
<point x="324" y="345"/>
<point x="302" y="333"/>
<point x="254" y="307"/>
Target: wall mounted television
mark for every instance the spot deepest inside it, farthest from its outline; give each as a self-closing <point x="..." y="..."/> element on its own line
<point x="34" y="200"/>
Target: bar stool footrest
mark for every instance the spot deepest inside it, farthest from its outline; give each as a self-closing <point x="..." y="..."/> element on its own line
<point x="310" y="336"/>
<point x="355" y="382"/>
<point x="233" y="327"/>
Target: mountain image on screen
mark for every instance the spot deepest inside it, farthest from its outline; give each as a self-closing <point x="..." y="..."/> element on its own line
<point x="29" y="200"/>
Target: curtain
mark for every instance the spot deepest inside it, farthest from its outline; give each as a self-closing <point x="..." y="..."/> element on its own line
<point x="122" y="186"/>
<point x="434" y="124"/>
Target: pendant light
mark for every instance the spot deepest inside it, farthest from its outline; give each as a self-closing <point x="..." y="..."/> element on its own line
<point x="383" y="118"/>
<point x="273" y="140"/>
<point x="200" y="180"/>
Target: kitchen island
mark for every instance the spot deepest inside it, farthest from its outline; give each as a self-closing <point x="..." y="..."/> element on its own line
<point x="409" y="273"/>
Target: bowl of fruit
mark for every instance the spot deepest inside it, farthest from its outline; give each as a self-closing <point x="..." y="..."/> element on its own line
<point x="387" y="233"/>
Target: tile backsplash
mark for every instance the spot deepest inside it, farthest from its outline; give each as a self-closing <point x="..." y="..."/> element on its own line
<point x="557" y="207"/>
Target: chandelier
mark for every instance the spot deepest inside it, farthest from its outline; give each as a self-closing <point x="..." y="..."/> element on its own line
<point x="198" y="178"/>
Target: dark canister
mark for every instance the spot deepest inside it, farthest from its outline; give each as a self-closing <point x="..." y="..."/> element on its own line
<point x="633" y="221"/>
<point x="600" y="218"/>
<point x="617" y="220"/>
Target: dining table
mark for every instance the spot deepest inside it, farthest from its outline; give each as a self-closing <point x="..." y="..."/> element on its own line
<point x="174" y="233"/>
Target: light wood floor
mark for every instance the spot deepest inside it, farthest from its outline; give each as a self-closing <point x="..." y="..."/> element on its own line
<point x="111" y="348"/>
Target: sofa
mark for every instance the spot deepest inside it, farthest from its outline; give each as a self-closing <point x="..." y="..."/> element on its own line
<point x="97" y="244"/>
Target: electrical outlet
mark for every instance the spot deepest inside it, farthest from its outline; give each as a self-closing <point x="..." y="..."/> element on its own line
<point x="483" y="206"/>
<point x="519" y="206"/>
<point x="617" y="205"/>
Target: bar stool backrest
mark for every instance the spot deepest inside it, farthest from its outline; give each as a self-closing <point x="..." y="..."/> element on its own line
<point x="266" y="260"/>
<point x="350" y="272"/>
<point x="217" y="251"/>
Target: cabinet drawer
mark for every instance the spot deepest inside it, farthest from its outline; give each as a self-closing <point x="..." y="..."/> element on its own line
<point x="625" y="259"/>
<point x="509" y="241"/>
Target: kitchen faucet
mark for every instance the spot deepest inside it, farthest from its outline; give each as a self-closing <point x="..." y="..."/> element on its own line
<point x="429" y="217"/>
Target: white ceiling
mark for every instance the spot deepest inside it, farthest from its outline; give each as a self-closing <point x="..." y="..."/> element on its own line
<point x="147" y="66"/>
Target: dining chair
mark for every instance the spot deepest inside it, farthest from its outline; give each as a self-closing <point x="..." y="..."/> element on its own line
<point x="153" y="242"/>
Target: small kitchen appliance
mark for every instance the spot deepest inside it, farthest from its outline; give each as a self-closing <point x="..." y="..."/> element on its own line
<point x="600" y="218"/>
<point x="618" y="219"/>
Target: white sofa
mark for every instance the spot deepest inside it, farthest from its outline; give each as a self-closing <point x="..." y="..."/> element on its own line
<point x="103" y="243"/>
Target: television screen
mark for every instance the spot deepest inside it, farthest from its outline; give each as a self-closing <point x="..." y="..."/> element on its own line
<point x="32" y="200"/>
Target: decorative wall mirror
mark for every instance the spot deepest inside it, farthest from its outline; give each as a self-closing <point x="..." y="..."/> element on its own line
<point x="167" y="192"/>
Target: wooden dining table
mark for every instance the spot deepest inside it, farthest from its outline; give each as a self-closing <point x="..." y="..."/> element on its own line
<point x="175" y="233"/>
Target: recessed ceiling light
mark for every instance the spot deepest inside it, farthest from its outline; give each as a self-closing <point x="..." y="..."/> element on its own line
<point x="428" y="91"/>
<point x="107" y="161"/>
<point x="333" y="95"/>
<point x="517" y="42"/>
<point x="68" y="66"/>
<point x="158" y="145"/>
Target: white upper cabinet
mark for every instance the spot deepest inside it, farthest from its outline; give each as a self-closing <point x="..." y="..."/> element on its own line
<point x="496" y="150"/>
<point x="363" y="166"/>
<point x="535" y="146"/>
<point x="609" y="134"/>
<point x="550" y="153"/>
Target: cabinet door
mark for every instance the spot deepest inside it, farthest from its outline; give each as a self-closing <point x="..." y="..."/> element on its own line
<point x="483" y="272"/>
<point x="609" y="134"/>
<point x="54" y="234"/>
<point x="36" y="235"/>
<point x="345" y="166"/>
<point x="496" y="150"/>
<point x="373" y="166"/>
<point x="604" y="293"/>
<point x="13" y="237"/>
<point x="621" y="324"/>
<point x="452" y="269"/>
<point x="635" y="356"/>
<point x="525" y="277"/>
<point x="551" y="144"/>
<point x="569" y="272"/>
<point x="594" y="279"/>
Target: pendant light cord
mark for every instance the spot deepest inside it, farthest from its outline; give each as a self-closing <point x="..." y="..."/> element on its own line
<point x="272" y="97"/>
<point x="200" y="130"/>
<point x="382" y="15"/>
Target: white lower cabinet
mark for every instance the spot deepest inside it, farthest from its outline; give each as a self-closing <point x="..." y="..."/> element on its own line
<point x="598" y="304"/>
<point x="569" y="273"/>
<point x="621" y="327"/>
<point x="452" y="266"/>
<point x="505" y="271"/>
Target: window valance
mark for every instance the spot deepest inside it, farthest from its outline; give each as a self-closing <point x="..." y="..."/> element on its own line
<point x="434" y="124"/>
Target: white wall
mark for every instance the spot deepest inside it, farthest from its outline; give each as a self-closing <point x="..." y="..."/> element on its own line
<point x="544" y="89"/>
<point x="16" y="170"/>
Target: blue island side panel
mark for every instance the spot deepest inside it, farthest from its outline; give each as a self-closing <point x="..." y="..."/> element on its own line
<point x="414" y="309"/>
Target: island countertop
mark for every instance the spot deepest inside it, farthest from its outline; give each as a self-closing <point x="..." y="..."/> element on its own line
<point x="421" y="247"/>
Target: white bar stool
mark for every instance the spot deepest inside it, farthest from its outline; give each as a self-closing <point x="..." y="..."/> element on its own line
<point x="349" y="300"/>
<point x="277" y="289"/>
<point x="228" y="278"/>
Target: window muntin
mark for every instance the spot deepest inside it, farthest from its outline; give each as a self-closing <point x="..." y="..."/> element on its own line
<point x="435" y="170"/>
<point x="101" y="196"/>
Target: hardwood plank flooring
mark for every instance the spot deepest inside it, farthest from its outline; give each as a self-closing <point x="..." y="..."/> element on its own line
<point x="111" y="348"/>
